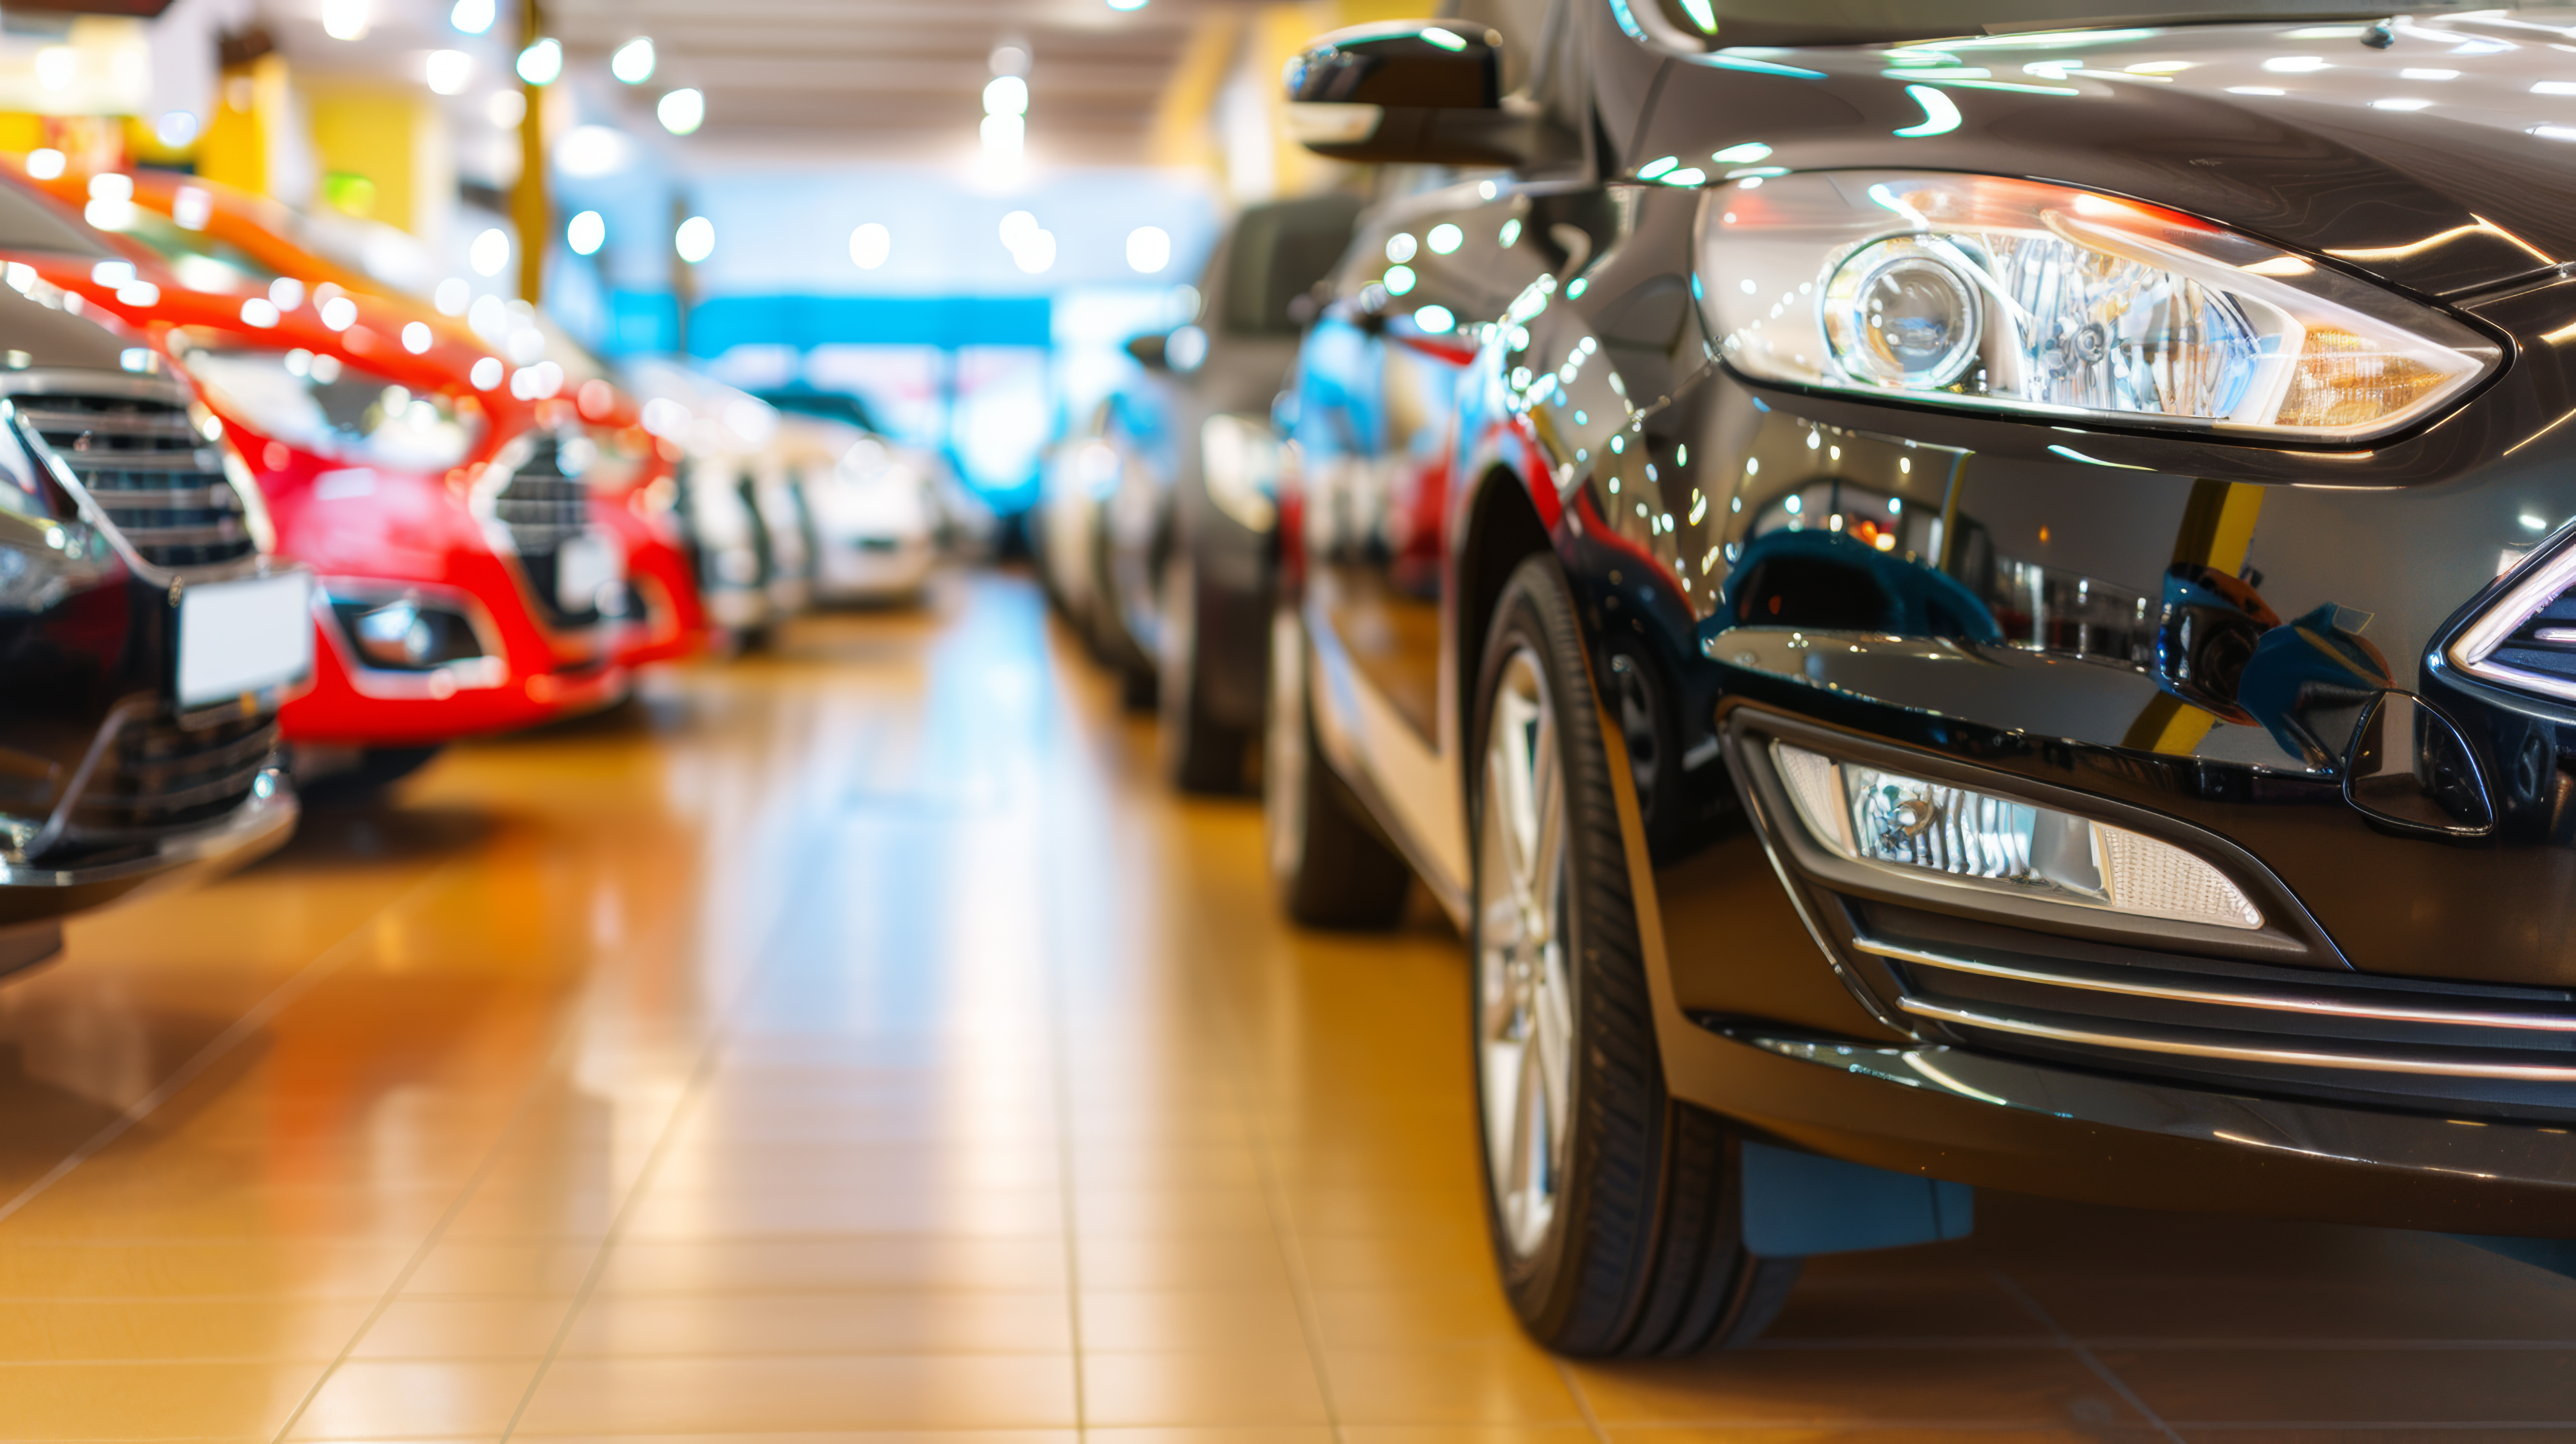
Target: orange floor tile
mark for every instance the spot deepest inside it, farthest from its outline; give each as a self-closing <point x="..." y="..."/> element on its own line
<point x="854" y="1042"/>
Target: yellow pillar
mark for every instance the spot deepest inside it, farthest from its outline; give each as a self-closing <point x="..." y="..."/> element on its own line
<point x="234" y="146"/>
<point x="530" y="209"/>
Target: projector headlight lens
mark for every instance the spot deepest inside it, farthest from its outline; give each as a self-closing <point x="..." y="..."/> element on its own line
<point x="1901" y="314"/>
<point x="2016" y="296"/>
<point x="1911" y="825"/>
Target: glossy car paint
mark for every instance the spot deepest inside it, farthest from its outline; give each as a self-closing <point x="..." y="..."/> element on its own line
<point x="1654" y="473"/>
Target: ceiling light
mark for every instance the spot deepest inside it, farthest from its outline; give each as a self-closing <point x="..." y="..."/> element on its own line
<point x="506" y="109"/>
<point x="339" y="313"/>
<point x="633" y="62"/>
<point x="591" y="150"/>
<point x="541" y="63"/>
<point x="344" y="19"/>
<point x="870" y="245"/>
<point x="55" y="66"/>
<point x="682" y="111"/>
<point x="2421" y="74"/>
<point x="2294" y="64"/>
<point x="417" y="338"/>
<point x="1006" y="95"/>
<point x="448" y="71"/>
<point x="586" y="233"/>
<point x="695" y="240"/>
<point x="1149" y="249"/>
<point x="453" y="295"/>
<point x="472" y="16"/>
<point x="2402" y="102"/>
<point x="44" y="163"/>
<point x="1003" y="135"/>
<point x="486" y="373"/>
<point x="490" y="252"/>
<point x="1009" y="60"/>
<point x="176" y="128"/>
<point x="1126" y="4"/>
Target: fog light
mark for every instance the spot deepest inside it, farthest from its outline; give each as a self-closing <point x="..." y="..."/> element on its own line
<point x="395" y="635"/>
<point x="1912" y="825"/>
<point x="406" y="634"/>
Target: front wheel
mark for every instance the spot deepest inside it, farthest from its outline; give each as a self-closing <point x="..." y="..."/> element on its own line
<point x="1611" y="1205"/>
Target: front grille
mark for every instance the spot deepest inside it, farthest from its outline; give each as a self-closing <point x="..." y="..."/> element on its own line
<point x="161" y="485"/>
<point x="158" y="777"/>
<point x="540" y="505"/>
<point x="2337" y="1036"/>
<point x="543" y="508"/>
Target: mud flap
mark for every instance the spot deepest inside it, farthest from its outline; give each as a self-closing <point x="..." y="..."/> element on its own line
<point x="1796" y="1204"/>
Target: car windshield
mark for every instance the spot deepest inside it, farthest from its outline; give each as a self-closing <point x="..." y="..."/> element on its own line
<point x="1853" y="22"/>
<point x="29" y="224"/>
<point x="829" y="405"/>
<point x="201" y="262"/>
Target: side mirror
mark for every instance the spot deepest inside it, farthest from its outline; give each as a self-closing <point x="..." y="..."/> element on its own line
<point x="1421" y="91"/>
<point x="1148" y="350"/>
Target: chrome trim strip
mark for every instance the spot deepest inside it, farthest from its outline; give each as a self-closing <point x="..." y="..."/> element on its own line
<point x="2362" y="1063"/>
<point x="83" y="381"/>
<point x="2271" y="1002"/>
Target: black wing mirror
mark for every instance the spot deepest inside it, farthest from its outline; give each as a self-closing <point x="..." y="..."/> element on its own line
<point x="1422" y="91"/>
<point x="1148" y="350"/>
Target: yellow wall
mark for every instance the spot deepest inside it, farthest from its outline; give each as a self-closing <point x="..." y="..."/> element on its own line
<point x="396" y="141"/>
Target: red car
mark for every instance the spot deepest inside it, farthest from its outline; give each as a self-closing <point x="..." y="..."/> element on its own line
<point x="468" y="584"/>
<point x="209" y="232"/>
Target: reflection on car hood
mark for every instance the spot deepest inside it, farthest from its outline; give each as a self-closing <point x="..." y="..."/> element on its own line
<point x="53" y="338"/>
<point x="2439" y="161"/>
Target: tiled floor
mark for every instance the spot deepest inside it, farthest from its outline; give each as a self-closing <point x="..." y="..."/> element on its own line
<point x="854" y="1043"/>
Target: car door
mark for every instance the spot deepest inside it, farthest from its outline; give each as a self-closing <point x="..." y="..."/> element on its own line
<point x="1377" y="385"/>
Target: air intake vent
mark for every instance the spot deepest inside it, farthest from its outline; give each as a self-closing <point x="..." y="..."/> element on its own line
<point x="2241" y="1027"/>
<point x="2526" y="637"/>
<point x="161" y="485"/>
<point x="159" y="777"/>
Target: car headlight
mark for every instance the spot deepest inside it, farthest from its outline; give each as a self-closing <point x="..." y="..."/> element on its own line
<point x="2017" y="296"/>
<point x="1933" y="829"/>
<point x="321" y="404"/>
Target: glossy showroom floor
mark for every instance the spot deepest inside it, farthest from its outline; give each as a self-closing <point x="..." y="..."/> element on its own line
<point x="854" y="1043"/>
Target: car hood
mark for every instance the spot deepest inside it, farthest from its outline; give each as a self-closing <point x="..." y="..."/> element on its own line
<point x="49" y="336"/>
<point x="2439" y="159"/>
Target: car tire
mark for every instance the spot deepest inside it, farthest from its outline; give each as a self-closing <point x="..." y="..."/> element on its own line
<point x="1611" y="1206"/>
<point x="1332" y="868"/>
<point x="1200" y="754"/>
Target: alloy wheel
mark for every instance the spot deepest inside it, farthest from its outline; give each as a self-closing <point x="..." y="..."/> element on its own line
<point x="1524" y="995"/>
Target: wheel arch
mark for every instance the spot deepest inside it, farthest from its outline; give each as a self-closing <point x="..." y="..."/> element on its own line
<point x="1502" y="528"/>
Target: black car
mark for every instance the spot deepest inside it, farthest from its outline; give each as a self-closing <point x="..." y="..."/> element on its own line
<point x="146" y="636"/>
<point x="1185" y="531"/>
<point x="1992" y="606"/>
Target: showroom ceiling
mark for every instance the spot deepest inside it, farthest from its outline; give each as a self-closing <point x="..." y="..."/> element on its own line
<point x="898" y="79"/>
